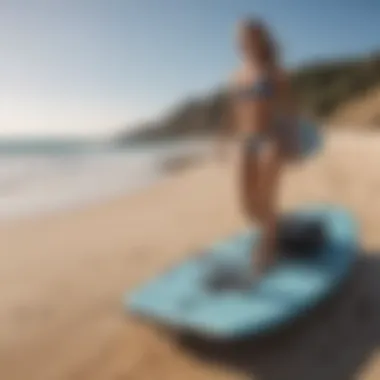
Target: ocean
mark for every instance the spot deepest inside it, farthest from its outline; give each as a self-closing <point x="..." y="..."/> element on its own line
<point x="40" y="176"/>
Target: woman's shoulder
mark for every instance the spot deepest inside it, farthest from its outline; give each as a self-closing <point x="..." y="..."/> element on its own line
<point x="241" y="78"/>
<point x="235" y="80"/>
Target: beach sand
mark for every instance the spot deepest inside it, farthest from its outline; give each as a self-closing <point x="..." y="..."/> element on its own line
<point x="63" y="276"/>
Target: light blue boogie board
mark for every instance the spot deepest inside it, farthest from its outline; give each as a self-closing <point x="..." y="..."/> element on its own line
<point x="310" y="138"/>
<point x="182" y="299"/>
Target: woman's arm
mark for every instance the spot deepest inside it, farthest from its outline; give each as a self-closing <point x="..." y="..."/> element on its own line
<point x="287" y="96"/>
<point x="291" y="110"/>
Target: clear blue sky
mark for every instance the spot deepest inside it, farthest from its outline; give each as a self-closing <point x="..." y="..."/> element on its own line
<point x="92" y="66"/>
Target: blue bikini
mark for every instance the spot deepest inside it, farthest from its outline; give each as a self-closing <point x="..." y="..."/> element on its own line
<point x="260" y="89"/>
<point x="263" y="89"/>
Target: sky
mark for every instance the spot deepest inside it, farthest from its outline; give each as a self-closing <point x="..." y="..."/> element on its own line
<point x="92" y="67"/>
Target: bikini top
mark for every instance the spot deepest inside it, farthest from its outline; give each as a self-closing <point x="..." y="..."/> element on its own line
<point x="262" y="88"/>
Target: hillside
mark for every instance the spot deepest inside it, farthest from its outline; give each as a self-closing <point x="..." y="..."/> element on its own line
<point x="321" y="88"/>
<point x="364" y="110"/>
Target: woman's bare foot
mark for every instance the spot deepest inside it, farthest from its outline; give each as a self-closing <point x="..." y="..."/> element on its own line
<point x="263" y="258"/>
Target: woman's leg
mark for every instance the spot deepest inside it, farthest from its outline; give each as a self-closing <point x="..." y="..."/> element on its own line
<point x="269" y="169"/>
<point x="249" y="171"/>
<point x="251" y="199"/>
<point x="259" y="176"/>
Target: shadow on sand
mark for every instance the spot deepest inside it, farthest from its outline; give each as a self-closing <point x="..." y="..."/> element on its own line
<point x="333" y="343"/>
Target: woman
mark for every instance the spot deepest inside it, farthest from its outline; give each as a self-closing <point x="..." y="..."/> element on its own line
<point x="264" y="119"/>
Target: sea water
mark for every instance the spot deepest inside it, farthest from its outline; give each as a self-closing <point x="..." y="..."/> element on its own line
<point x="39" y="176"/>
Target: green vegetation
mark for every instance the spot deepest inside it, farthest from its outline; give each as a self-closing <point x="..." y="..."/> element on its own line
<point x="320" y="88"/>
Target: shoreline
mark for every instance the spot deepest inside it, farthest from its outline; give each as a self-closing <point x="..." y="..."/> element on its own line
<point x="50" y="185"/>
<point x="167" y="174"/>
<point x="170" y="166"/>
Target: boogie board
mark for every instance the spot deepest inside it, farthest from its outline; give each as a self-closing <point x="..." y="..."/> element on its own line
<point x="310" y="138"/>
<point x="182" y="298"/>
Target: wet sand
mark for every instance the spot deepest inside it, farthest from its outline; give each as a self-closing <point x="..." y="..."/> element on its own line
<point x="62" y="278"/>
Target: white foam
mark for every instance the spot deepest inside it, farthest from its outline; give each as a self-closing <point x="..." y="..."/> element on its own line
<point x="38" y="183"/>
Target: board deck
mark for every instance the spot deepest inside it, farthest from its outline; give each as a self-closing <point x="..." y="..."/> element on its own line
<point x="181" y="299"/>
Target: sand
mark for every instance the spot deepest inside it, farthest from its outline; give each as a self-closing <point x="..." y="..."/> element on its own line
<point x="361" y="111"/>
<point x="63" y="275"/>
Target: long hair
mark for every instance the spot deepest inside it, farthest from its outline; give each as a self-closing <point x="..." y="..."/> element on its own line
<point x="268" y="52"/>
